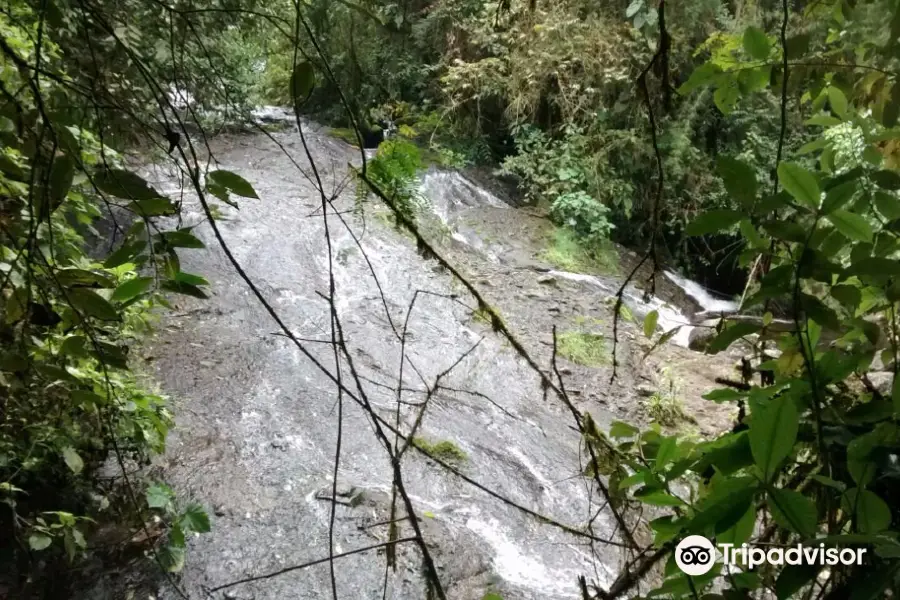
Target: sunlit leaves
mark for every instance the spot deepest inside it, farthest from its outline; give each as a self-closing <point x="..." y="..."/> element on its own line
<point x="852" y="225"/>
<point x="131" y="289"/>
<point x="650" y="323"/>
<point x="73" y="460"/>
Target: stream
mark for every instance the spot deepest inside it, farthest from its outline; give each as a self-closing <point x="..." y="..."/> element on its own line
<point x="256" y="420"/>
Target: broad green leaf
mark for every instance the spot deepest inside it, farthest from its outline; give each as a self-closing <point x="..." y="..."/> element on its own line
<point x="124" y="184"/>
<point x="887" y="204"/>
<point x="888" y="180"/>
<point x="812" y="146"/>
<point x="713" y="221"/>
<point x="61" y="175"/>
<point x="741" y="531"/>
<point x="870" y="511"/>
<point x="852" y="225"/>
<point x="171" y="557"/>
<point x="39" y="541"/>
<point x="800" y="183"/>
<point x="131" y="289"/>
<point x="73" y="461"/>
<point x="657" y="498"/>
<point x="633" y="8"/>
<point x="233" y="182"/>
<point x="726" y="96"/>
<point x="797" y="45"/>
<point x="159" y="496"/>
<point x="182" y="238"/>
<point x="92" y="304"/>
<point x="724" y="395"/>
<point x="847" y="295"/>
<point x="83" y="277"/>
<point x="727" y="503"/>
<point x="756" y="43"/>
<point x="874" y="266"/>
<point x="492" y="596"/>
<point x="702" y="75"/>
<point x="74" y="346"/>
<point x="190" y="278"/>
<point x="823" y="121"/>
<point x="153" y="207"/>
<point x="794" y="511"/>
<point x="621" y="430"/>
<point x="773" y="431"/>
<point x="793" y="578"/>
<point x="195" y="519"/>
<point x="125" y="254"/>
<point x="838" y="101"/>
<point x="650" y="323"/>
<point x="303" y="80"/>
<point x="739" y="179"/>
<point x="839" y="195"/>
<point x="728" y="335"/>
<point x="186" y="289"/>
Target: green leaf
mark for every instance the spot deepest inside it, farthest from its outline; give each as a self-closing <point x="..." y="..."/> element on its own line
<point x="620" y="430"/>
<point x="153" y="207"/>
<point x="233" y="182"/>
<point x="303" y="80"/>
<point x="159" y="496"/>
<point x="812" y="146"/>
<point x="713" y="221"/>
<point x="186" y="289"/>
<point x="702" y="75"/>
<point x="847" y="295"/>
<point x="739" y="179"/>
<point x="823" y="121"/>
<point x="650" y="323"/>
<point x="727" y="503"/>
<point x="731" y="333"/>
<point x="73" y="461"/>
<point x="726" y="96"/>
<point x="182" y="238"/>
<point x="773" y="431"/>
<point x="195" y="519"/>
<point x="724" y="395"/>
<point x="852" y="225"/>
<point x="797" y="45"/>
<point x="800" y="183"/>
<point x="656" y="497"/>
<point x="131" y="289"/>
<point x="838" y="101"/>
<point x="792" y="510"/>
<point x="92" y="304"/>
<point x="172" y="558"/>
<point x="839" y="195"/>
<point x="633" y="8"/>
<point x="888" y="180"/>
<point x="892" y="108"/>
<point x="873" y="266"/>
<point x="190" y="278"/>
<point x="61" y="175"/>
<point x="792" y="579"/>
<point x="887" y="204"/>
<point x="124" y="254"/>
<point x="871" y="513"/>
<point x="741" y="531"/>
<point x="83" y="277"/>
<point x="125" y="184"/>
<point x="756" y="43"/>
<point x="492" y="596"/>
<point x="39" y="541"/>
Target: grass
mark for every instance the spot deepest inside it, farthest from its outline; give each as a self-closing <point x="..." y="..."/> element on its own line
<point x="666" y="409"/>
<point x="568" y="254"/>
<point x="444" y="450"/>
<point x="344" y="133"/>
<point x="587" y="349"/>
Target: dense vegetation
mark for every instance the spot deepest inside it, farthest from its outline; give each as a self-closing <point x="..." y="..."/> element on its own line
<point x="754" y="138"/>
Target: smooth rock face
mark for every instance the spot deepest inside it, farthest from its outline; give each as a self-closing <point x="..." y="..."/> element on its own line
<point x="257" y="418"/>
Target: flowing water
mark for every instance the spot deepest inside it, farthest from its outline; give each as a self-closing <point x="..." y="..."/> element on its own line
<point x="257" y="421"/>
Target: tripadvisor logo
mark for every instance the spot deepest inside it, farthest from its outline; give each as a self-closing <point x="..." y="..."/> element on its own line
<point x="696" y="555"/>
